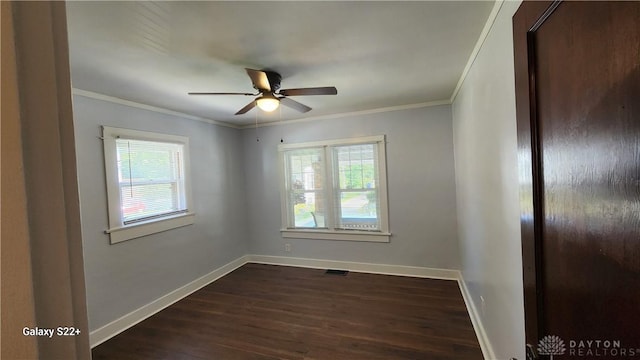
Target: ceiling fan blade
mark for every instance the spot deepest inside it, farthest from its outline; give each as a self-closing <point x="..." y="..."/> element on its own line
<point x="259" y="79"/>
<point x="327" y="90"/>
<point x="294" y="105"/>
<point x="248" y="107"/>
<point x="221" y="93"/>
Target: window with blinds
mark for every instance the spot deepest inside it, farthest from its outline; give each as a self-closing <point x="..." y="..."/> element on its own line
<point x="147" y="181"/>
<point x="335" y="187"/>
<point x="151" y="181"/>
<point x="305" y="187"/>
<point x="356" y="192"/>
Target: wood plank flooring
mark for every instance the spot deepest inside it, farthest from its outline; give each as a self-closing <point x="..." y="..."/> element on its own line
<point x="267" y="312"/>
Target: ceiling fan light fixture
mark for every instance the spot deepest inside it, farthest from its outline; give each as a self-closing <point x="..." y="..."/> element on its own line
<point x="268" y="102"/>
<point x="267" y="83"/>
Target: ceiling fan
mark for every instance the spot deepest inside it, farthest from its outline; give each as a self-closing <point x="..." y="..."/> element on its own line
<point x="269" y="95"/>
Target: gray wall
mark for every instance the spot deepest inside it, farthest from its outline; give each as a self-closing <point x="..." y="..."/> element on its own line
<point x="123" y="277"/>
<point x="421" y="187"/>
<point x="487" y="189"/>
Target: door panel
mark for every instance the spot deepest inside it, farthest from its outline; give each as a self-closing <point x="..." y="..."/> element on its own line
<point x="582" y="94"/>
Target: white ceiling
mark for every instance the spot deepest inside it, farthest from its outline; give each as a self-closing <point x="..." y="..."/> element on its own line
<point x="378" y="54"/>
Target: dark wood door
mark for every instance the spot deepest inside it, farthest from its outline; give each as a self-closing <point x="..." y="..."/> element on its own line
<point x="578" y="108"/>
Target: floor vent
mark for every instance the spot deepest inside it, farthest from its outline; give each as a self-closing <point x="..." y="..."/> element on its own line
<point x="337" y="272"/>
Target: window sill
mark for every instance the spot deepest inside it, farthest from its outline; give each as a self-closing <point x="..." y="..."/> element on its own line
<point x="336" y="235"/>
<point x="133" y="231"/>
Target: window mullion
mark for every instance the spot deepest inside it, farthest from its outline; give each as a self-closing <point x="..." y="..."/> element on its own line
<point x="291" y="210"/>
<point x="330" y="218"/>
<point x="381" y="185"/>
<point x="291" y="221"/>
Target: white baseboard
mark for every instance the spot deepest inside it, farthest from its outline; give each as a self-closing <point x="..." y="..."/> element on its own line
<point x="385" y="269"/>
<point x="485" y="345"/>
<point x="106" y="332"/>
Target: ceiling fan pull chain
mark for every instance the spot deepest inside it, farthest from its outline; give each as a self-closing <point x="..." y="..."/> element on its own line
<point x="281" y="131"/>
<point x="257" y="137"/>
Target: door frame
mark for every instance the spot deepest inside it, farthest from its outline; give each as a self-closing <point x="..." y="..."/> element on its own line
<point x="42" y="265"/>
<point x="528" y="18"/>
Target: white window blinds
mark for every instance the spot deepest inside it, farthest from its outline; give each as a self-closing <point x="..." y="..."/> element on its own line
<point x="305" y="187"/>
<point x="356" y="194"/>
<point x="150" y="178"/>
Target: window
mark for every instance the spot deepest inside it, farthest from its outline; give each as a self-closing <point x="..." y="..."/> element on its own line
<point x="335" y="190"/>
<point x="147" y="182"/>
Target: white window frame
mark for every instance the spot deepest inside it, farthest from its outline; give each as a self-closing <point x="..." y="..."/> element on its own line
<point x="118" y="231"/>
<point x="331" y="232"/>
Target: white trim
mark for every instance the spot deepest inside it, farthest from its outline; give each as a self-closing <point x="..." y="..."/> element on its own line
<point x="118" y="231"/>
<point x="349" y="114"/>
<point x="336" y="235"/>
<point x="323" y="143"/>
<point x="476" y="321"/>
<point x="123" y="233"/>
<point x="331" y="189"/>
<point x="115" y="132"/>
<point x="382" y="186"/>
<point x="474" y="54"/>
<point x="115" y="100"/>
<point x="106" y="332"/>
<point x="119" y="101"/>
<point x="384" y="269"/>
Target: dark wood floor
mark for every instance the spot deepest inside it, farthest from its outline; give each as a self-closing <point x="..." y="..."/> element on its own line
<point x="266" y="312"/>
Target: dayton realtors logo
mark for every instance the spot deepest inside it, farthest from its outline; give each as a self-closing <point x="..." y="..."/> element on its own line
<point x="553" y="345"/>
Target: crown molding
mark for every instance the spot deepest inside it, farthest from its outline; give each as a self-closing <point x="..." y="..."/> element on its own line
<point x="349" y="114"/>
<point x="115" y="100"/>
<point x="474" y="54"/>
